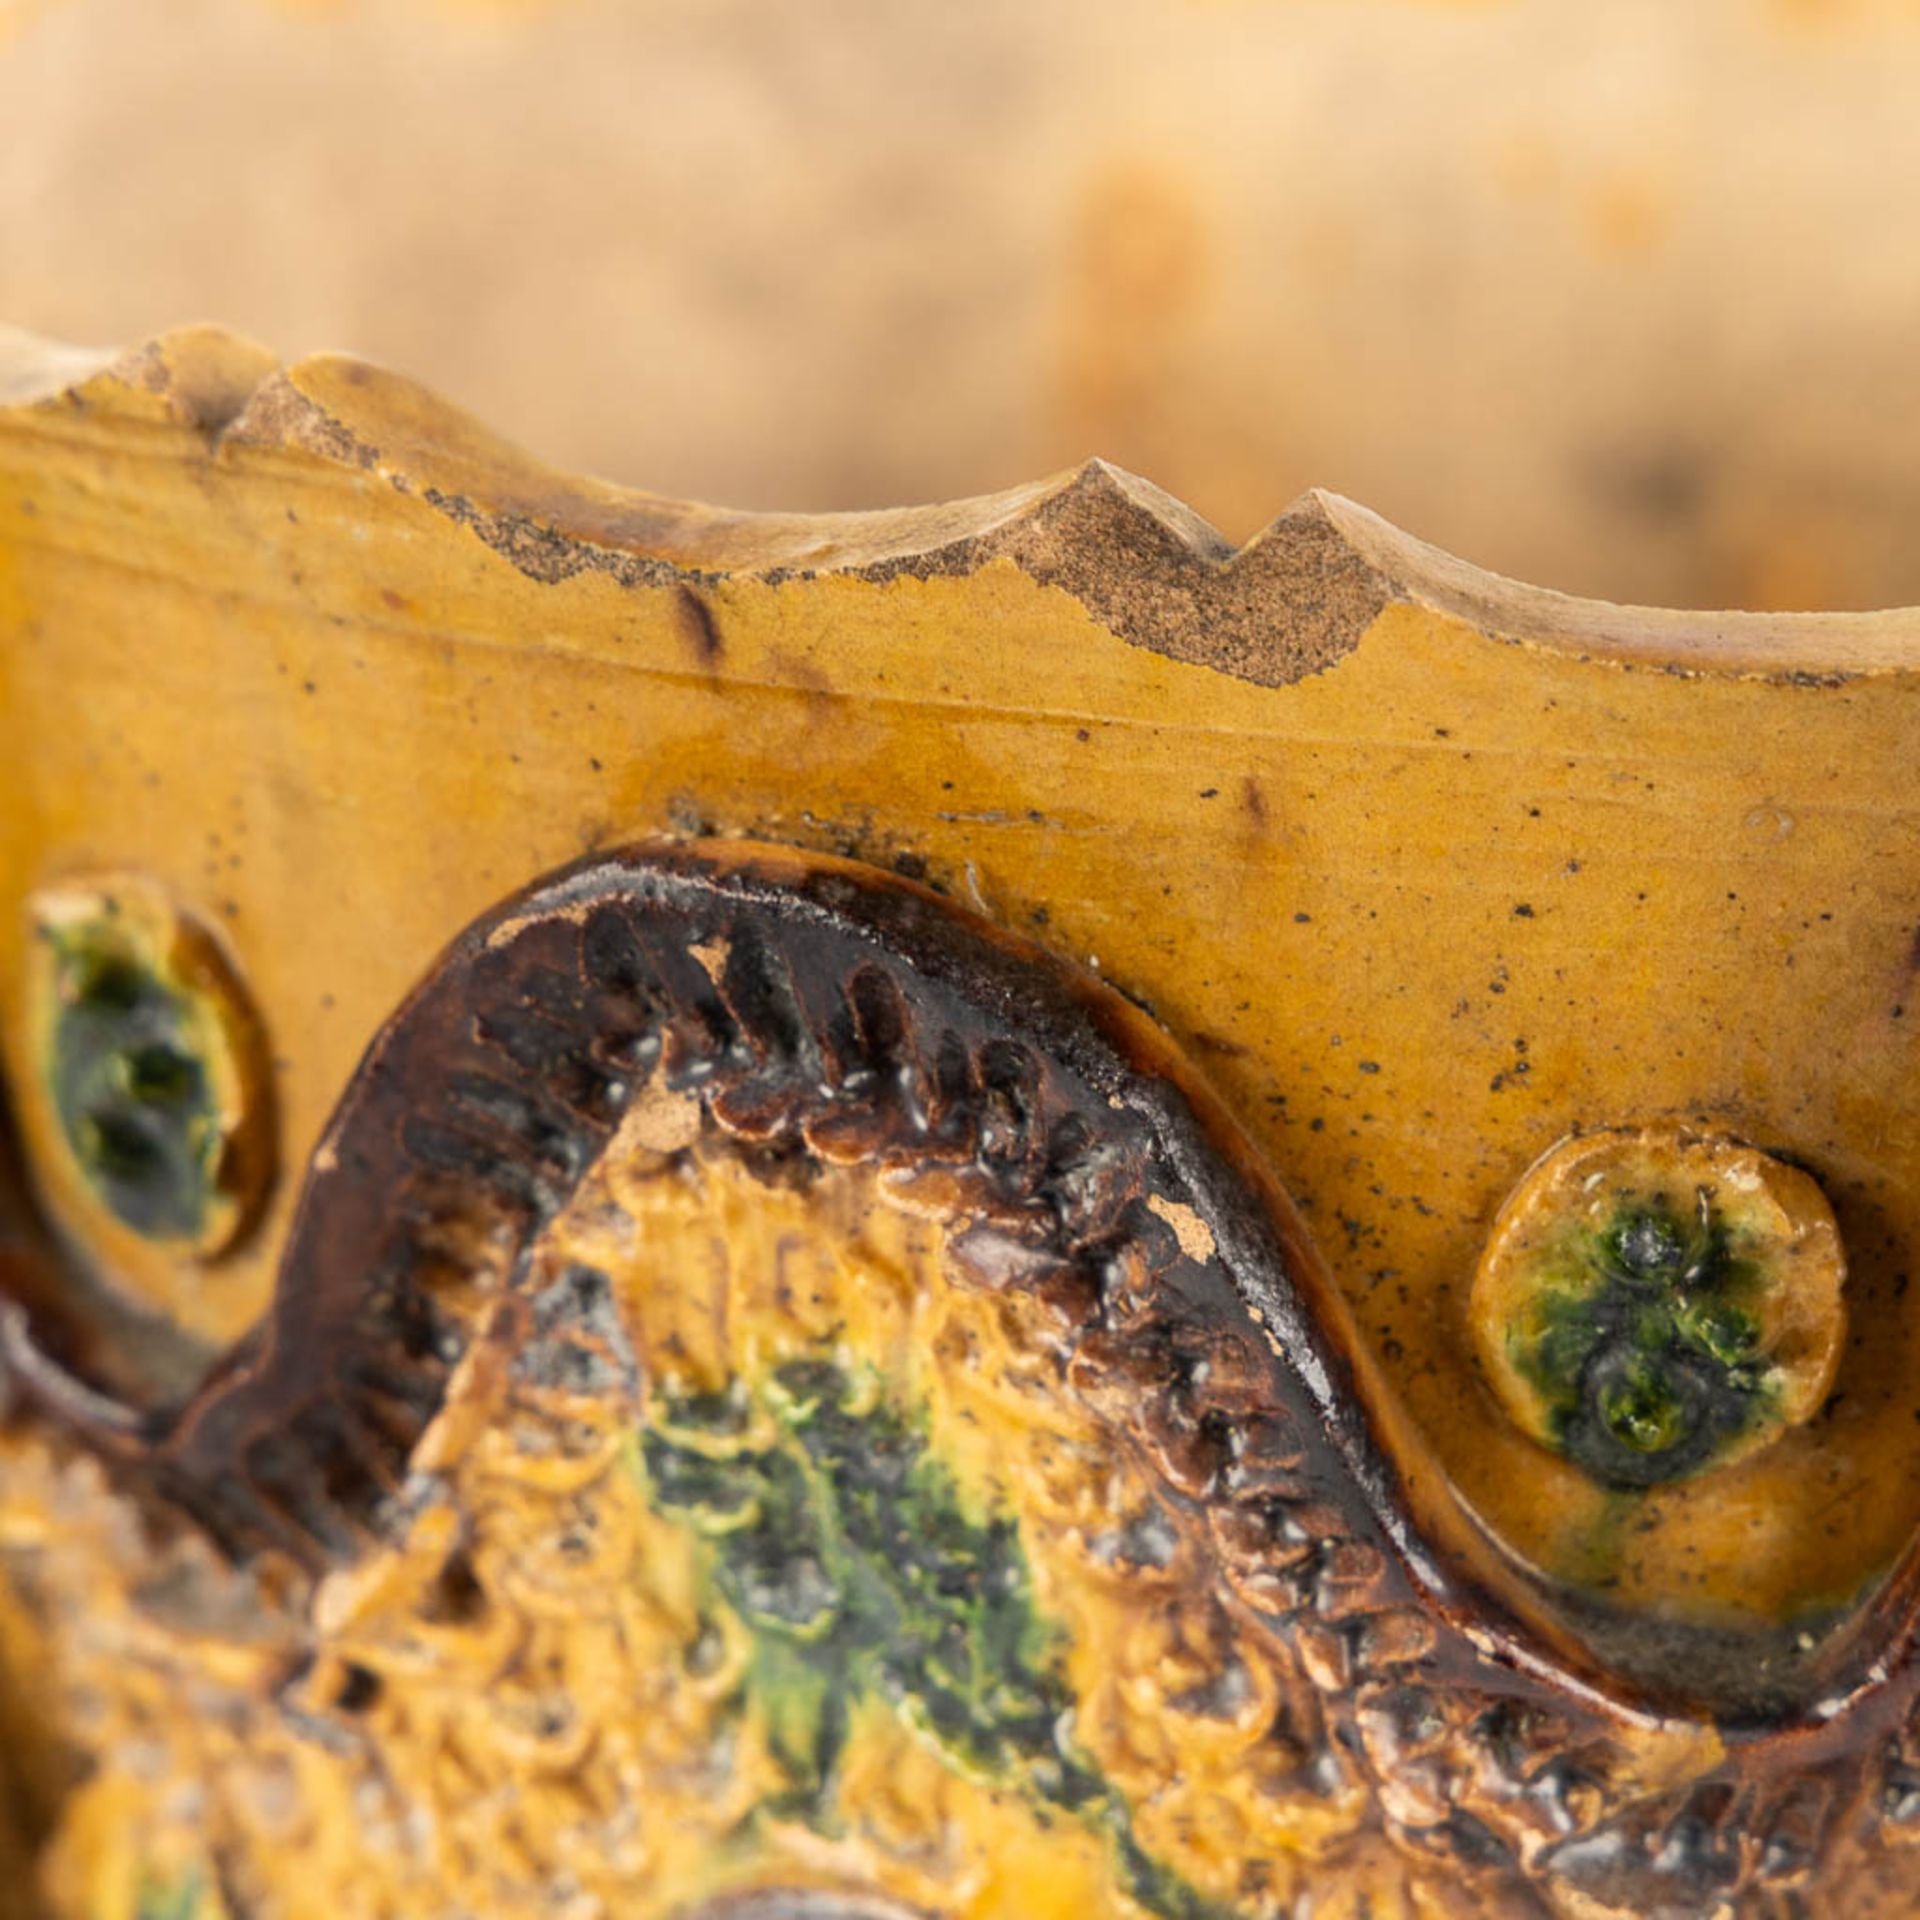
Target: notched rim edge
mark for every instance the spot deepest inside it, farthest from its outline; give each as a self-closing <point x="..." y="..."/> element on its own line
<point x="1292" y="601"/>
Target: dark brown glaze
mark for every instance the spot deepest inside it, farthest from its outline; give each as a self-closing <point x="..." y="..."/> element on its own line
<point x="829" y="1014"/>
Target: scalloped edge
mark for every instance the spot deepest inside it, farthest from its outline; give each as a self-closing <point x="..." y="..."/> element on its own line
<point x="1292" y="601"/>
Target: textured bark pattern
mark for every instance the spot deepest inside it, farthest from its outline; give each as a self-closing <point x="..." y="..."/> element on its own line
<point x="826" y="1016"/>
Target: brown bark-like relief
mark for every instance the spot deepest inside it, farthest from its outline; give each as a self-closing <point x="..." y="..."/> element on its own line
<point x="806" y="1021"/>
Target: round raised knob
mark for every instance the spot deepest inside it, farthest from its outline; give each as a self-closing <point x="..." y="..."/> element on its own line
<point x="1656" y="1302"/>
<point x="153" y="1068"/>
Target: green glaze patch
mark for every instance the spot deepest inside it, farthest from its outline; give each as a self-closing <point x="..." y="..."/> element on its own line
<point x="1643" y="1343"/>
<point x="160" y="1901"/>
<point x="839" y="1540"/>
<point x="128" y="1072"/>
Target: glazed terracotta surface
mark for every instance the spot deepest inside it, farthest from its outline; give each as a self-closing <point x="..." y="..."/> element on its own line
<point x="1397" y="875"/>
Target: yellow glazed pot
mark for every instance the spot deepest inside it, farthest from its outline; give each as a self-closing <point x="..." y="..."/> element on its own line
<point x="733" y="1215"/>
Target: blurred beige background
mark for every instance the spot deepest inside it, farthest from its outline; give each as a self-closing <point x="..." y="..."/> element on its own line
<point x="1621" y="298"/>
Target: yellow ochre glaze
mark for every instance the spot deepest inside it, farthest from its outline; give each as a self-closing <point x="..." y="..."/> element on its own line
<point x="530" y="1705"/>
<point x="1505" y="867"/>
<point x="1657" y="1304"/>
<point x="149" y="1102"/>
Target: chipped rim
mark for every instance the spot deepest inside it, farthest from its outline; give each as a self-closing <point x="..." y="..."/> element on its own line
<point x="1290" y="602"/>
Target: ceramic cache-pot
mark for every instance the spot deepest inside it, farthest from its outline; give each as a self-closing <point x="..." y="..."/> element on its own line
<point x="984" y="1213"/>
